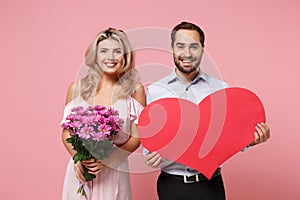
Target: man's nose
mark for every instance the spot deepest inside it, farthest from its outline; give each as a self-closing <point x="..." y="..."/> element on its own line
<point x="187" y="52"/>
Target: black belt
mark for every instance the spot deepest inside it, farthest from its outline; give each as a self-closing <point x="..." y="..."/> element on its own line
<point x="191" y="179"/>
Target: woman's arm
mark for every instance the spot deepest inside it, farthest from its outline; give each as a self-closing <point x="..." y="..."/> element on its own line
<point x="73" y="91"/>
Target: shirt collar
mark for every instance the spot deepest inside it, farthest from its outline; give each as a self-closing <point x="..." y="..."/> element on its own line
<point x="200" y="76"/>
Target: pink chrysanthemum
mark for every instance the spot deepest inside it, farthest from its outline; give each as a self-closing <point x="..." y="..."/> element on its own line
<point x="104" y="129"/>
<point x="86" y="132"/>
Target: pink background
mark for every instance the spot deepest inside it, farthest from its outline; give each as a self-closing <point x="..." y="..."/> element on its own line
<point x="255" y="44"/>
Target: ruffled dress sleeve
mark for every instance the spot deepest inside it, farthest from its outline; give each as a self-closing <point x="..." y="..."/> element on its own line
<point x="135" y="109"/>
<point x="67" y="111"/>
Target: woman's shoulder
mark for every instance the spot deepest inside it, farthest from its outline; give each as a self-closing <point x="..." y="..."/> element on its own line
<point x="139" y="94"/>
<point x="73" y="91"/>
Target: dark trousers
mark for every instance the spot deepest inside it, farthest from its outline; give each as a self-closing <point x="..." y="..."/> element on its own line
<point x="169" y="188"/>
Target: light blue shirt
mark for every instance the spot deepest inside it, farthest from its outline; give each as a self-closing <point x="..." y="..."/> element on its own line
<point x="171" y="86"/>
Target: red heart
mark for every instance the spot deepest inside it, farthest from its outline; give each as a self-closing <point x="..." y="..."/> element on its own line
<point x="204" y="136"/>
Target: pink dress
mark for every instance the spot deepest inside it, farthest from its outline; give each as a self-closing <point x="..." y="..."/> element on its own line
<point x="112" y="183"/>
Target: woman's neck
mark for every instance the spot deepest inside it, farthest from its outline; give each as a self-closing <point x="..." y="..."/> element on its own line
<point x="107" y="81"/>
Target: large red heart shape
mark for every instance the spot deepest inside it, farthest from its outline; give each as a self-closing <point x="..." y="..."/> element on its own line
<point x="201" y="136"/>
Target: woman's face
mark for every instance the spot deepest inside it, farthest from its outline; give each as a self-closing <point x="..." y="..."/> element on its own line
<point x="110" y="56"/>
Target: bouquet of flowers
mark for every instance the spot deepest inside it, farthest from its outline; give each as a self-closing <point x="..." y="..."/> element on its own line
<point x="92" y="129"/>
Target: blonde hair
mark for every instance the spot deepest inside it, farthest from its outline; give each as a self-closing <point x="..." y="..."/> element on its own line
<point x="128" y="78"/>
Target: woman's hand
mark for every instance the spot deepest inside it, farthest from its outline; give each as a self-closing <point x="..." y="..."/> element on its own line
<point x="79" y="170"/>
<point x="94" y="166"/>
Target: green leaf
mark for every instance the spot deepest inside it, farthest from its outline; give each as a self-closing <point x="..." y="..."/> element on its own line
<point x="85" y="156"/>
<point x="70" y="140"/>
<point x="77" y="157"/>
<point x="81" y="191"/>
<point x="87" y="176"/>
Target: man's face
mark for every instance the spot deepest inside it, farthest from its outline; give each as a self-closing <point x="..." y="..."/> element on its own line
<point x="187" y="50"/>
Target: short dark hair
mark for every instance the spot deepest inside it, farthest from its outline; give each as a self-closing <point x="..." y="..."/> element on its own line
<point x="187" y="26"/>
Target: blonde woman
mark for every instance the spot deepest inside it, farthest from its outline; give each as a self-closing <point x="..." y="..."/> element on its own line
<point x="111" y="81"/>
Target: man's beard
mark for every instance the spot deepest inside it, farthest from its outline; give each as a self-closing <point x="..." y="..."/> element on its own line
<point x="182" y="69"/>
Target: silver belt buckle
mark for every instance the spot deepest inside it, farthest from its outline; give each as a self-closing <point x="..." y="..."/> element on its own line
<point x="186" y="181"/>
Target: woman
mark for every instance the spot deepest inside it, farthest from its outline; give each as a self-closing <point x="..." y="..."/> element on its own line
<point x="111" y="81"/>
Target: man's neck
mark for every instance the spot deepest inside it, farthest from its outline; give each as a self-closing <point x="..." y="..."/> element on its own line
<point x="187" y="78"/>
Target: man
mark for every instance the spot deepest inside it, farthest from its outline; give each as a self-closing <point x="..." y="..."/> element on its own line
<point x="187" y="81"/>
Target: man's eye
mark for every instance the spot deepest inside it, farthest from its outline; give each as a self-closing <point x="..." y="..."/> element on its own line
<point x="180" y="47"/>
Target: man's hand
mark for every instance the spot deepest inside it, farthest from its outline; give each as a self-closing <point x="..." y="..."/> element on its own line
<point x="262" y="134"/>
<point x="153" y="159"/>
